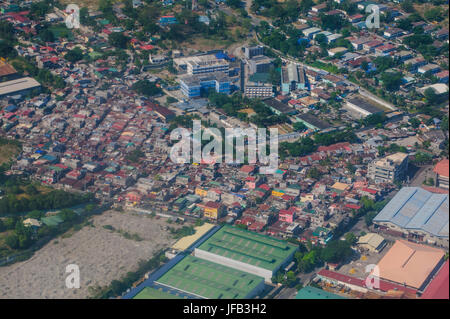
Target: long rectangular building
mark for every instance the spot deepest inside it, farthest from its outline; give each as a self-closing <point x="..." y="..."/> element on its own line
<point x="361" y="107"/>
<point x="292" y="78"/>
<point x="258" y="90"/>
<point x="193" y="85"/>
<point x="419" y="214"/>
<point x="18" y="86"/>
<point x="202" y="64"/>
<point x="247" y="251"/>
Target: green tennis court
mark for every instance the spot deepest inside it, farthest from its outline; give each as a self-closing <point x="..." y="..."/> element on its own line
<point x="210" y="280"/>
<point x="152" y="293"/>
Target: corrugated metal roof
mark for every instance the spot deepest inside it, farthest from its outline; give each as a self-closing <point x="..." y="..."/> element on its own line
<point x="416" y="208"/>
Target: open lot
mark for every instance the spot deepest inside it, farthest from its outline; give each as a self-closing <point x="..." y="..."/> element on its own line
<point x="7" y="151"/>
<point x="91" y="4"/>
<point x="357" y="268"/>
<point x="101" y="254"/>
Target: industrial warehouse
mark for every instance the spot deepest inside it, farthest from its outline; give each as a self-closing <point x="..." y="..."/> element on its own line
<point x="417" y="213"/>
<point x="411" y="265"/>
<point x="18" y="86"/>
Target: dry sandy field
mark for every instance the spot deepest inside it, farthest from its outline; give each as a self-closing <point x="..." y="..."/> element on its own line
<point x="102" y="255"/>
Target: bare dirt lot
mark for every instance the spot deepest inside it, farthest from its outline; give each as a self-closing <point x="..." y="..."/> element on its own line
<point x="7" y="152"/>
<point x="91" y="4"/>
<point x="101" y="254"/>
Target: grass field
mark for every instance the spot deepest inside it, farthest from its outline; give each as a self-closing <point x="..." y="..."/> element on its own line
<point x="91" y="4"/>
<point x="422" y="8"/>
<point x="61" y="32"/>
<point x="204" y="44"/>
<point x="7" y="152"/>
<point x="152" y="293"/>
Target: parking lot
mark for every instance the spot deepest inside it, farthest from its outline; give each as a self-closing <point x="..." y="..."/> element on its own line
<point x="357" y="268"/>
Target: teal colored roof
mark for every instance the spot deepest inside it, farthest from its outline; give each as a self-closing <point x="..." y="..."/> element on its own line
<point x="315" y="293"/>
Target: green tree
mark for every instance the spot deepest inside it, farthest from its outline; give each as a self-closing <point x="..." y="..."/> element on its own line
<point x="351" y="238"/>
<point x="391" y="80"/>
<point x="415" y="122"/>
<point x="117" y="287"/>
<point x="118" y="40"/>
<point x="146" y="88"/>
<point x="46" y="35"/>
<point x="434" y="14"/>
<point x="407" y="6"/>
<point x="314" y="173"/>
<point x="299" y="126"/>
<point x="337" y="251"/>
<point x="369" y="217"/>
<point x="31" y="190"/>
<point x="12" y="241"/>
<point x="430" y="95"/>
<point x="74" y="55"/>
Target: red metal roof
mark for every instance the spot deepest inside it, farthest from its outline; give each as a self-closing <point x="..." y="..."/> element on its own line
<point x="384" y="285"/>
<point x="352" y="206"/>
<point x="439" y="286"/>
<point x="442" y="168"/>
<point x="147" y="47"/>
<point x="436" y="190"/>
<point x="342" y="278"/>
<point x="369" y="190"/>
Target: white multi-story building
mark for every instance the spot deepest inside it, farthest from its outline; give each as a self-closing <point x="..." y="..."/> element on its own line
<point x="202" y="64"/>
<point x="389" y="168"/>
<point x="254" y="90"/>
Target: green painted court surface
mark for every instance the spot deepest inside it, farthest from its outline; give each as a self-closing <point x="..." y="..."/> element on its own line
<point x="52" y="220"/>
<point x="248" y="247"/>
<point x="210" y="280"/>
<point x="315" y="293"/>
<point x="152" y="293"/>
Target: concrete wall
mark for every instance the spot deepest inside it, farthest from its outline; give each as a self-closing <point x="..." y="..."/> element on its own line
<point x="266" y="274"/>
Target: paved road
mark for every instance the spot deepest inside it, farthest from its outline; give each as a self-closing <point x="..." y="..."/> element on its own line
<point x="421" y="175"/>
<point x="290" y="293"/>
<point x="287" y="293"/>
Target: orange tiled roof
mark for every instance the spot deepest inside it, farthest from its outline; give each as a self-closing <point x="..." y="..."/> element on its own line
<point x="409" y="263"/>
